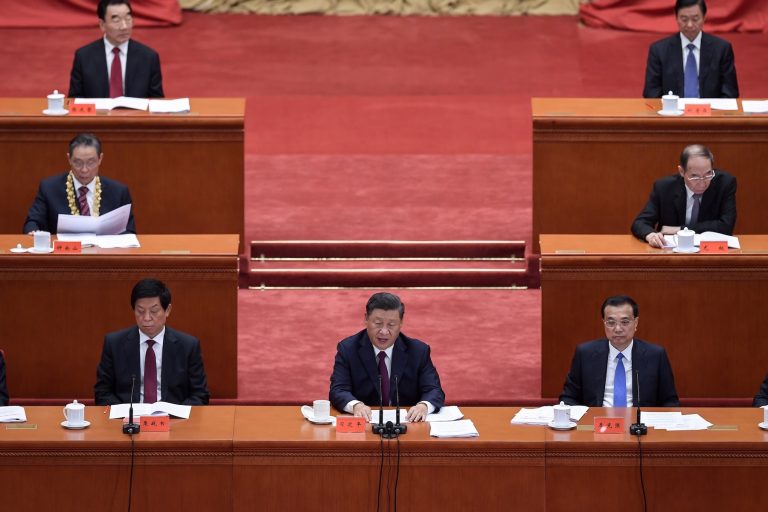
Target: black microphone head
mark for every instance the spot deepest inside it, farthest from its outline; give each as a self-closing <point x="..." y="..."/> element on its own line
<point x="389" y="424"/>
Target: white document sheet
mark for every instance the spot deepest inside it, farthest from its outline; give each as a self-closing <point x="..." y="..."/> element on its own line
<point x="448" y="413"/>
<point x="707" y="236"/>
<point x="112" y="103"/>
<point x="111" y="223"/>
<point x="12" y="414"/>
<point x="460" y="428"/>
<point x="169" y="106"/>
<point x="126" y="241"/>
<point x="754" y="107"/>
<point x="157" y="408"/>
<point x="690" y="422"/>
<point x="545" y="415"/>
<point x="389" y="415"/>
<point x="715" y="103"/>
<point x="674" y="421"/>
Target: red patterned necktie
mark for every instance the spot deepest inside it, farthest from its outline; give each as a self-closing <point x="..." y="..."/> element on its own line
<point x="83" y="200"/>
<point x="116" y="75"/>
<point x="150" y="374"/>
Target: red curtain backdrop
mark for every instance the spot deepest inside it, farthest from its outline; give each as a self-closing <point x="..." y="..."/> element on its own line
<point x="82" y="13"/>
<point x="658" y="15"/>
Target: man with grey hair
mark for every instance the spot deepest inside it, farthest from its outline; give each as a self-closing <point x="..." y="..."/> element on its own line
<point x="380" y="361"/>
<point x="698" y="197"/>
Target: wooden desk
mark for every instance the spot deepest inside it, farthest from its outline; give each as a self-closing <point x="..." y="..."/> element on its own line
<point x="595" y="159"/>
<point x="704" y="309"/>
<point x="723" y="468"/>
<point x="56" y="309"/>
<point x="170" y="162"/>
<point x="283" y="465"/>
<point x="51" y="468"/>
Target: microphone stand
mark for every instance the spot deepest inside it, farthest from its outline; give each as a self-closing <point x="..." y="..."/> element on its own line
<point x="131" y="428"/>
<point x="638" y="428"/>
<point x="379" y="427"/>
<point x="397" y="428"/>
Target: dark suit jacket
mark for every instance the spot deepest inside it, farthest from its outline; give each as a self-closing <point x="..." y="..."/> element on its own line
<point x="182" y="380"/>
<point x="585" y="383"/>
<point x="3" y="386"/>
<point x="761" y="398"/>
<point x="89" y="77"/>
<point x="356" y="373"/>
<point x="666" y="206"/>
<point x="717" y="72"/>
<point x="51" y="200"/>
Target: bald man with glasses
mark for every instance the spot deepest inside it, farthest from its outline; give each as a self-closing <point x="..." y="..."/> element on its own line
<point x="698" y="197"/>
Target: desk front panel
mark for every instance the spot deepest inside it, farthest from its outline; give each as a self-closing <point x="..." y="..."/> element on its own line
<point x="57" y="308"/>
<point x="703" y="309"/>
<point x="595" y="160"/>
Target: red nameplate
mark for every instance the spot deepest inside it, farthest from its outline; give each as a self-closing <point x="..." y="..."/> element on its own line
<point x="67" y="247"/>
<point x="719" y="247"/>
<point x="608" y="425"/>
<point x="350" y="424"/>
<point x="155" y="423"/>
<point x="82" y="109"/>
<point x="698" y="110"/>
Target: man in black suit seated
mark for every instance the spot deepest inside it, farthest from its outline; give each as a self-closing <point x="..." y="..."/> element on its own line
<point x="603" y="372"/>
<point x="79" y="191"/>
<point x="691" y="64"/>
<point x="698" y="197"/>
<point x="3" y="386"/>
<point x="115" y="65"/>
<point x="382" y="350"/>
<point x="167" y="363"/>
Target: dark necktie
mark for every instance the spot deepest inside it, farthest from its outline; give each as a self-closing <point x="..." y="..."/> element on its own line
<point x="384" y="378"/>
<point x="82" y="199"/>
<point x="695" y="208"/>
<point x="691" y="80"/>
<point x="620" y="384"/>
<point x="150" y="374"/>
<point x="116" y="75"/>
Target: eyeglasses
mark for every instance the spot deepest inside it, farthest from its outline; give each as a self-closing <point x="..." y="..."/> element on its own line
<point x="708" y="176"/>
<point x="624" y="323"/>
<point x="79" y="164"/>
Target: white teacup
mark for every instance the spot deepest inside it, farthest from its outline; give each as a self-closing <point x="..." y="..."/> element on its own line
<point x="55" y="102"/>
<point x="320" y="410"/>
<point x="74" y="413"/>
<point x="669" y="102"/>
<point x="684" y="239"/>
<point x="42" y="241"/>
<point x="562" y="415"/>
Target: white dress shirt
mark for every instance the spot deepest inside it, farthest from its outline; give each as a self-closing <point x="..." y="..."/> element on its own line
<point x="111" y="56"/>
<point x="612" y="363"/>
<point x="696" y="51"/>
<point x="158" y="348"/>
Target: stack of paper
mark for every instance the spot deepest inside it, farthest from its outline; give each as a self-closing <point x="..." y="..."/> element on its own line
<point x="715" y="103"/>
<point x="125" y="241"/>
<point x="12" y="414"/>
<point x="707" y="236"/>
<point x="460" y="428"/>
<point x="169" y="106"/>
<point x="121" y="410"/>
<point x="449" y="413"/>
<point x="674" y="421"/>
<point x="111" y="223"/>
<point x="546" y="415"/>
<point x="754" y="106"/>
<point x="112" y="103"/>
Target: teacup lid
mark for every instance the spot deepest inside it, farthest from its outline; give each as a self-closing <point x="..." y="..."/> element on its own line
<point x="55" y="94"/>
<point x="686" y="232"/>
<point x="75" y="405"/>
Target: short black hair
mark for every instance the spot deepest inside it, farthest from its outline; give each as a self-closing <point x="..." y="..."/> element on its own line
<point x="101" y="9"/>
<point x="385" y="301"/>
<point x="85" y="139"/>
<point x="619" y="300"/>
<point x="695" y="150"/>
<point x="148" y="288"/>
<point x="682" y="4"/>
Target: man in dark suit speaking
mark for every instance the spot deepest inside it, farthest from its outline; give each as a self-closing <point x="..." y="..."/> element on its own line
<point x="115" y="65"/>
<point x="698" y="197"/>
<point x="167" y="363"/>
<point x="79" y="191"/>
<point x="691" y="64"/>
<point x="381" y="350"/>
<point x="603" y="372"/>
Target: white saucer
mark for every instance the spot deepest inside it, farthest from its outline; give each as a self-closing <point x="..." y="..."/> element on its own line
<point x="56" y="112"/>
<point x="321" y="421"/>
<point x="671" y="113"/>
<point x="681" y="251"/>
<point x="84" y="424"/>
<point x="44" y="251"/>
<point x="19" y="249"/>
<point x="763" y="425"/>
<point x="571" y="425"/>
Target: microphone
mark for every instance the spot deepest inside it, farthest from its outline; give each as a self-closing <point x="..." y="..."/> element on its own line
<point x="398" y="428"/>
<point x="638" y="428"/>
<point x="131" y="428"/>
<point x="379" y="428"/>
